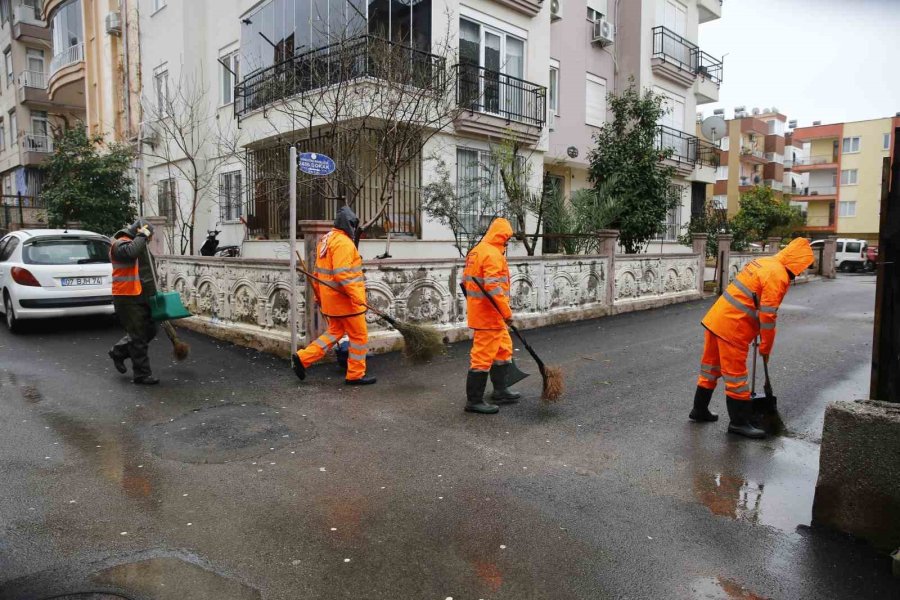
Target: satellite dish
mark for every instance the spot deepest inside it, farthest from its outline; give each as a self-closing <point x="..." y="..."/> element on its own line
<point x="713" y="128"/>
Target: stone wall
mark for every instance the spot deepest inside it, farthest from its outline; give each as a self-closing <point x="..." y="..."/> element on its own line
<point x="246" y="301"/>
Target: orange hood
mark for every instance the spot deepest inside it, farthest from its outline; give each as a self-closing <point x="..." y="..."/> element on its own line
<point x="498" y="233"/>
<point x="797" y="256"/>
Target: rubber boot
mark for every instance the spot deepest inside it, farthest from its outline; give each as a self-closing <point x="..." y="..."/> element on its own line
<point x="476" y="381"/>
<point x="364" y="380"/>
<point x="740" y="412"/>
<point x="501" y="393"/>
<point x="701" y="412"/>
<point x="297" y="365"/>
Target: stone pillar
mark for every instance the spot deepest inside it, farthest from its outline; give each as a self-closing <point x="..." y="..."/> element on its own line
<point x="311" y="231"/>
<point x="723" y="258"/>
<point x="607" y="240"/>
<point x="699" y="243"/>
<point x="160" y="235"/>
<point x="828" y="252"/>
<point x="774" y="245"/>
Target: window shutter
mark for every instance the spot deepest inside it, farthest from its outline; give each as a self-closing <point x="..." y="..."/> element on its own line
<point x="595" y="101"/>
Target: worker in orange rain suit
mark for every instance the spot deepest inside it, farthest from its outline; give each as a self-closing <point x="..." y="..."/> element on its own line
<point x="492" y="348"/>
<point x="342" y="300"/>
<point x="749" y="307"/>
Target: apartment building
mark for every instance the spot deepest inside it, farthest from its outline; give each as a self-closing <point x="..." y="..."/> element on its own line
<point x="844" y="165"/>
<point x="756" y="150"/>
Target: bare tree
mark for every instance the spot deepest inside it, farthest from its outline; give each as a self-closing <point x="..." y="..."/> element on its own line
<point x="180" y="116"/>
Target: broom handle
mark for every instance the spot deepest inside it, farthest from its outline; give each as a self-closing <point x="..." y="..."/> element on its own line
<point x="515" y="329"/>
<point x="301" y="266"/>
<point x="170" y="331"/>
<point x="768" y="385"/>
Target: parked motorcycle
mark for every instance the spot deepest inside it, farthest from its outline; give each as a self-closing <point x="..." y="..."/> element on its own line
<point x="211" y="247"/>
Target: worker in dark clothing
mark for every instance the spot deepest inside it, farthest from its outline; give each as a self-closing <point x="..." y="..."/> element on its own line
<point x="132" y="286"/>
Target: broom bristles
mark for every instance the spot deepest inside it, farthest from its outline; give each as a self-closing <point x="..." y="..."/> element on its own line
<point x="180" y="350"/>
<point x="421" y="343"/>
<point x="554" y="384"/>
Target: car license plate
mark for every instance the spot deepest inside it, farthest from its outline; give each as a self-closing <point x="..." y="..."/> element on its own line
<point x="73" y="281"/>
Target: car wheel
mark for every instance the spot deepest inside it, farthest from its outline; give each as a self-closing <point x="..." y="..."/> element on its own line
<point x="12" y="323"/>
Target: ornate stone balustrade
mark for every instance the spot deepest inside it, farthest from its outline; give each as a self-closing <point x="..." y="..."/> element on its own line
<point x="246" y="301"/>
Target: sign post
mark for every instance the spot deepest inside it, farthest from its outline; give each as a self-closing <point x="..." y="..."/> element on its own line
<point x="293" y="257"/>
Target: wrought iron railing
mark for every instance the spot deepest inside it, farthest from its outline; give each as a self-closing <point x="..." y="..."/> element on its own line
<point x="33" y="79"/>
<point x="673" y="48"/>
<point x="707" y="154"/>
<point x="709" y="67"/>
<point x="69" y="56"/>
<point x="485" y="91"/>
<point x="364" y="56"/>
<point x="682" y="144"/>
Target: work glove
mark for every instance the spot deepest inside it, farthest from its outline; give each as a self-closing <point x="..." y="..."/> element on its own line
<point x="146" y="231"/>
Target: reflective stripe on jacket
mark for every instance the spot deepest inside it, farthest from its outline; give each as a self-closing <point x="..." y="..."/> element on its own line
<point x="486" y="264"/>
<point x="750" y="304"/>
<point x="338" y="262"/>
<point x="126" y="276"/>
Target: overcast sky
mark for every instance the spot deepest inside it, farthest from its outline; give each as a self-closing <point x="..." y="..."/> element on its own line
<point x="828" y="60"/>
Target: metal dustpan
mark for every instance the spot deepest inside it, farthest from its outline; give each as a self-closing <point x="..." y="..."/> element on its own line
<point x="515" y="375"/>
<point x="765" y="403"/>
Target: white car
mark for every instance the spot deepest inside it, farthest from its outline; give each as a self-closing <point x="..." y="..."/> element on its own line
<point x="849" y="254"/>
<point x="48" y="273"/>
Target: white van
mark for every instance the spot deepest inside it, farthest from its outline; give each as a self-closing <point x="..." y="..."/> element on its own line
<point x="849" y="254"/>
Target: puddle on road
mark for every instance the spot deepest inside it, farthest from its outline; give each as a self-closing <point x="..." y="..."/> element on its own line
<point x="173" y="579"/>
<point x="30" y="394"/>
<point x="719" y="588"/>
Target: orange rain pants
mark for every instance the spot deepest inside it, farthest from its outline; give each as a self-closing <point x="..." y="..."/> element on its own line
<point x="355" y="328"/>
<point x="490" y="347"/>
<point x="725" y="360"/>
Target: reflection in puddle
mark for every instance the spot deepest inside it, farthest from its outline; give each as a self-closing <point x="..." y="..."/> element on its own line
<point x="729" y="496"/>
<point x="719" y="588"/>
<point x="173" y="579"/>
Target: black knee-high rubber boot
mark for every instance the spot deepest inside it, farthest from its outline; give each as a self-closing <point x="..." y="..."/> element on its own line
<point x="740" y="413"/>
<point x="476" y="381"/>
<point x="701" y="413"/>
<point x="501" y="393"/>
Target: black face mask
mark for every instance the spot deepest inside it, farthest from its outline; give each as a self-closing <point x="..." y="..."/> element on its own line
<point x="347" y="221"/>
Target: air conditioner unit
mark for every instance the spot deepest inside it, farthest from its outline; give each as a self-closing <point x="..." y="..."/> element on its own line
<point x="148" y="134"/>
<point x="114" y="23"/>
<point x="555" y="10"/>
<point x="603" y="32"/>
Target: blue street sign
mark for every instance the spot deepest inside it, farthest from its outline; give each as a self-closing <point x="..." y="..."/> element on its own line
<point x="312" y="163"/>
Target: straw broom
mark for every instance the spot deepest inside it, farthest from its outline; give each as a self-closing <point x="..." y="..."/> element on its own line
<point x="552" y="376"/>
<point x="421" y="343"/>
<point x="180" y="349"/>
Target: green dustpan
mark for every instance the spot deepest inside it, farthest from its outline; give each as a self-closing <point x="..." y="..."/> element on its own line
<point x="167" y="306"/>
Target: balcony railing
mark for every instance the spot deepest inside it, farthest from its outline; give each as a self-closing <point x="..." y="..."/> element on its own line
<point x="820" y="221"/>
<point x="710" y="67"/>
<point x="491" y="92"/>
<point x="822" y="159"/>
<point x="69" y="56"/>
<point x="364" y="56"/>
<point x="753" y="152"/>
<point x="707" y="154"/>
<point x="819" y="190"/>
<point x="682" y="144"/>
<point x="774" y="184"/>
<point x="38" y="143"/>
<point x="33" y="79"/>
<point x="673" y="48"/>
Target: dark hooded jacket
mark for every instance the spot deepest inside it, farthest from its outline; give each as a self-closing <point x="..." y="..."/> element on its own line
<point x="347" y="221"/>
<point x="128" y="246"/>
<point x="339" y="264"/>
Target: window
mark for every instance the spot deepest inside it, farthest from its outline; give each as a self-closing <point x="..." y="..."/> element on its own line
<point x="851" y="145"/>
<point x="161" y="88"/>
<point x="886" y="142"/>
<point x="479" y="188"/>
<point x="595" y="101"/>
<point x="848" y="209"/>
<point x="484" y="55"/>
<point x="34" y="69"/>
<point x="8" y="250"/>
<point x="7" y="61"/>
<point x="554" y="89"/>
<point x="13" y="128"/>
<point x="673" y="224"/>
<point x="720" y="202"/>
<point x="2" y="135"/>
<point x="66" y="252"/>
<point x="35" y="6"/>
<point x="165" y="198"/>
<point x="230" y="75"/>
<point x="158" y="5"/>
<point x="853" y="247"/>
<point x="5" y="11"/>
<point x="722" y="173"/>
<point x="848" y="176"/>
<point x="230" y="196"/>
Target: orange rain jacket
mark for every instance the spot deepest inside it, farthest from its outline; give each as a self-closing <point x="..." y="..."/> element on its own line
<point x="339" y="263"/>
<point x="750" y="304"/>
<point x="486" y="263"/>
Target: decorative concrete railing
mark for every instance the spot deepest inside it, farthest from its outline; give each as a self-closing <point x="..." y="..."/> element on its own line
<point x="247" y="300"/>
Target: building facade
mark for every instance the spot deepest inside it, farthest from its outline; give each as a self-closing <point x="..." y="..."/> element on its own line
<point x="843" y="164"/>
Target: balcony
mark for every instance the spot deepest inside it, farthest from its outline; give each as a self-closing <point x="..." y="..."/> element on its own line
<point x="683" y="148"/>
<point x="27" y="25"/>
<point x="776" y="185"/>
<point x="753" y="156"/>
<point x="496" y="103"/>
<point x="35" y="148"/>
<point x="821" y="192"/>
<point x="31" y="88"/>
<point x="356" y="59"/>
<point x="709" y="10"/>
<point x="674" y="57"/>
<point x="820" y="222"/>
<point x="67" y="76"/>
<point x="822" y="162"/>
<point x="707" y="162"/>
<point x="710" y="71"/>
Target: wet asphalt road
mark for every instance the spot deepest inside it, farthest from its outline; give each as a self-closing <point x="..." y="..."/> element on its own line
<point x="233" y="480"/>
